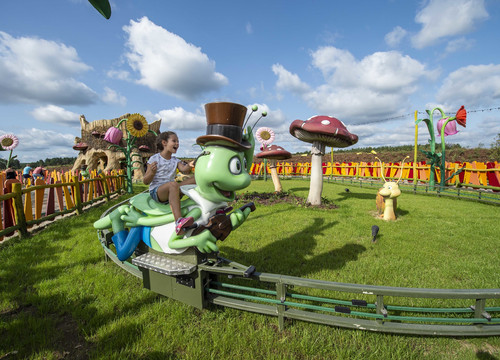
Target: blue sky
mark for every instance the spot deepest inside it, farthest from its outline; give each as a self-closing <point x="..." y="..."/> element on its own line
<point x="368" y="63"/>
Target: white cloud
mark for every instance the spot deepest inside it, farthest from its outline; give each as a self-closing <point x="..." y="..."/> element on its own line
<point x="169" y="64"/>
<point x="445" y="18"/>
<point x="35" y="70"/>
<point x="275" y="119"/>
<point x="460" y="44"/>
<point x="474" y="85"/>
<point x="355" y="91"/>
<point x="36" y="144"/>
<point x="112" y="97"/>
<point x="288" y="81"/>
<point x="57" y="115"/>
<point x="395" y="36"/>
<point x="180" y="119"/>
<point x="249" y="28"/>
<point x="119" y="74"/>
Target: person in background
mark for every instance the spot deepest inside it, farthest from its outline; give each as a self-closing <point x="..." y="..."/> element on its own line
<point x="38" y="173"/>
<point x="26" y="174"/>
<point x="10" y="174"/>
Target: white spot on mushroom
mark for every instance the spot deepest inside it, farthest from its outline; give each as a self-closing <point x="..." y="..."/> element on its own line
<point x="325" y="122"/>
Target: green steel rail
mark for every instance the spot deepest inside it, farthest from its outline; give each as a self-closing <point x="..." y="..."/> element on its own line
<point x="474" y="319"/>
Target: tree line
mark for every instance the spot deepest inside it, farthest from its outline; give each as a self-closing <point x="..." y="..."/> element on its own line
<point x="57" y="161"/>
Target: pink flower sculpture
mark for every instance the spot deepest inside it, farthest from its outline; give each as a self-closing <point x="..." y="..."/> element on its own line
<point x="449" y="129"/>
<point x="113" y="135"/>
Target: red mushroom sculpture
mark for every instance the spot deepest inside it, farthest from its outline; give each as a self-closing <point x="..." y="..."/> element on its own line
<point x="321" y="131"/>
<point x="274" y="153"/>
<point x="81" y="146"/>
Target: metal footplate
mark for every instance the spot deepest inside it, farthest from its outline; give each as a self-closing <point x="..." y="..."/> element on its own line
<point x="163" y="264"/>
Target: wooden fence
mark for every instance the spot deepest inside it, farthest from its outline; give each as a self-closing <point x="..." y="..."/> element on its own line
<point x="24" y="206"/>
<point x="474" y="174"/>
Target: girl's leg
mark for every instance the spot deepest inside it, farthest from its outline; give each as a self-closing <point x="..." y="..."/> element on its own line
<point x="170" y="192"/>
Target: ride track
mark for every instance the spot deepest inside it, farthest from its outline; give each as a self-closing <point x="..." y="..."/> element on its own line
<point x="196" y="279"/>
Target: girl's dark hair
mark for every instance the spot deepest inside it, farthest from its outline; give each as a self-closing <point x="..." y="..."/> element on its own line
<point x="163" y="136"/>
<point x="10" y="174"/>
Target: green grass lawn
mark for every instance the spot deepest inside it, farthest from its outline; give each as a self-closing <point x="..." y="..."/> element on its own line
<point x="60" y="299"/>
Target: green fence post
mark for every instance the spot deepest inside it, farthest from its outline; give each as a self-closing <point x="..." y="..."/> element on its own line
<point x="380" y="307"/>
<point x="281" y="296"/>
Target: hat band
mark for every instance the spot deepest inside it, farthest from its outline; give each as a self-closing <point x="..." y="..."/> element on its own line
<point x="230" y="131"/>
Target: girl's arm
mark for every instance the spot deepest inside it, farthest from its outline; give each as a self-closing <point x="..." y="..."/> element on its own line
<point x="184" y="167"/>
<point x="150" y="173"/>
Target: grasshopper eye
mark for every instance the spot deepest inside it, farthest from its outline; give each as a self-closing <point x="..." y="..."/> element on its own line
<point x="235" y="165"/>
<point x="245" y="165"/>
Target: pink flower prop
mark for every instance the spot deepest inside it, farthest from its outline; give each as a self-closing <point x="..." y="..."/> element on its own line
<point x="449" y="129"/>
<point x="265" y="136"/>
<point x="8" y="142"/>
<point x="113" y="135"/>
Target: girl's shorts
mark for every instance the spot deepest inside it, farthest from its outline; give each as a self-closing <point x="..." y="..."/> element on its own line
<point x="154" y="195"/>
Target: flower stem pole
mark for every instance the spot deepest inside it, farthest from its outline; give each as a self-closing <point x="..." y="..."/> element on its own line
<point x="415" y="177"/>
<point x="443" y="148"/>
<point x="434" y="158"/>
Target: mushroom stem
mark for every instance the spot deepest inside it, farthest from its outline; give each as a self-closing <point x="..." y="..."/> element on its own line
<point x="274" y="176"/>
<point x="316" y="186"/>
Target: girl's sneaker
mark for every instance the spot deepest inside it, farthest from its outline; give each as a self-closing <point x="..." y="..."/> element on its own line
<point x="182" y="223"/>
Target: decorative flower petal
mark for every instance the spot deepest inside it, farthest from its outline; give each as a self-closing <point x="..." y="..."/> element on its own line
<point x="461" y="116"/>
<point x="9" y="141"/>
<point x="137" y="125"/>
<point x="265" y="136"/>
<point x="449" y="129"/>
<point x="113" y="135"/>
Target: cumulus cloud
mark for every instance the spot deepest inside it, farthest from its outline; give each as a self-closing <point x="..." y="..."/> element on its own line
<point x="358" y="91"/>
<point x="57" y="115"/>
<point x="167" y="63"/>
<point x="119" y="74"/>
<point x="445" y="18"/>
<point x="288" y="81"/>
<point x="395" y="36"/>
<point x="112" y="97"/>
<point x="460" y="44"/>
<point x="275" y="118"/>
<point x="474" y="85"/>
<point x="36" y="144"/>
<point x="35" y="70"/>
<point x="180" y="119"/>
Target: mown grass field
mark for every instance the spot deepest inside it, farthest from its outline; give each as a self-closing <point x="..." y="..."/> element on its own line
<point x="60" y="299"/>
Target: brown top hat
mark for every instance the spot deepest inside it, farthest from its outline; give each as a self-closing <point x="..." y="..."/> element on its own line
<point x="224" y="125"/>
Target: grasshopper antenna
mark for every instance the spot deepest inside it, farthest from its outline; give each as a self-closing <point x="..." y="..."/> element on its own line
<point x="264" y="114"/>
<point x="254" y="109"/>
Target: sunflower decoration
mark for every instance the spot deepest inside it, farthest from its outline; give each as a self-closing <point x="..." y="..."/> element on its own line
<point x="265" y="136"/>
<point x="137" y="125"/>
<point x="9" y="142"/>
